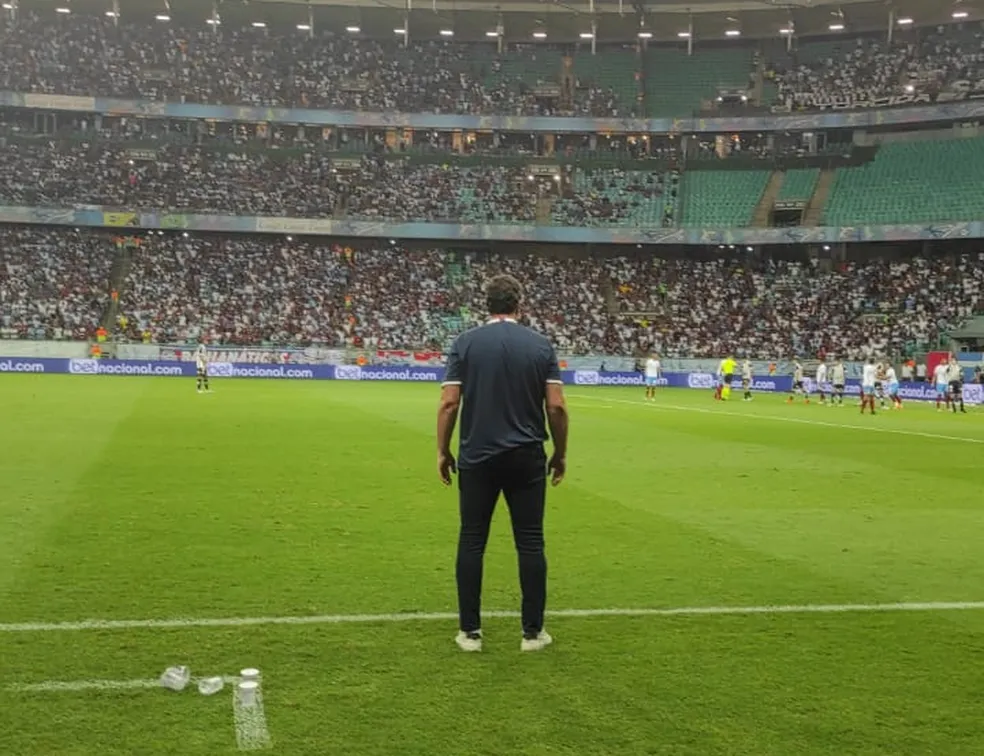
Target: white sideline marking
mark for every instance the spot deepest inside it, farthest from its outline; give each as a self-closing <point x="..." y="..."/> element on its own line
<point x="78" y="686"/>
<point x="250" y="721"/>
<point x="342" y="619"/>
<point x="801" y="420"/>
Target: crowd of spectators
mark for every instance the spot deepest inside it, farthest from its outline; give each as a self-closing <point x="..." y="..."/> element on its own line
<point x="241" y="290"/>
<point x="53" y="284"/>
<point x="84" y="55"/>
<point x="169" y="177"/>
<point x="869" y="70"/>
<point x="781" y="309"/>
<point x="277" y="290"/>
<point x="397" y="190"/>
<point x="182" y="178"/>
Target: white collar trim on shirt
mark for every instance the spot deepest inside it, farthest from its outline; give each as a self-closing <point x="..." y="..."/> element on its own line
<point x="500" y="320"/>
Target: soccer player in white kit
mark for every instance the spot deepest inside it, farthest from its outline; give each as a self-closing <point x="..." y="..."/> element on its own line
<point x="653" y="371"/>
<point x="201" y="367"/>
<point x="869" y="374"/>
<point x="940" y="380"/>
<point x="746" y="379"/>
<point x="954" y="374"/>
<point x="892" y="384"/>
<point x="822" y="382"/>
<point x="837" y="375"/>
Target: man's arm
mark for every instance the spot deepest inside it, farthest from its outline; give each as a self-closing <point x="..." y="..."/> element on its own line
<point x="447" y="416"/>
<point x="557" y="419"/>
<point x="447" y="413"/>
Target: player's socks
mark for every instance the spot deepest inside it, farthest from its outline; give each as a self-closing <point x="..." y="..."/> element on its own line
<point x="748" y="395"/>
<point x="726" y="393"/>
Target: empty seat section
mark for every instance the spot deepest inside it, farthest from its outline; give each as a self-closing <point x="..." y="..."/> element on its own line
<point x="911" y="182"/>
<point x="677" y="83"/>
<point x="721" y="198"/>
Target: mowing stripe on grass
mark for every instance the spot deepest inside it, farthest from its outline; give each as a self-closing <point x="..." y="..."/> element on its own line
<point x="342" y="619"/>
<point x="801" y="420"/>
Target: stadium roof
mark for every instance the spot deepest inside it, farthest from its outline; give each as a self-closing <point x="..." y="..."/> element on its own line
<point x="560" y="21"/>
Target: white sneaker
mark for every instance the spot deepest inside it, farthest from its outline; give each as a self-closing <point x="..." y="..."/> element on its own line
<point x="469" y="641"/>
<point x="537" y="643"/>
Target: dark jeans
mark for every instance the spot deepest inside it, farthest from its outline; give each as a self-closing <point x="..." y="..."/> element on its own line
<point x="520" y="475"/>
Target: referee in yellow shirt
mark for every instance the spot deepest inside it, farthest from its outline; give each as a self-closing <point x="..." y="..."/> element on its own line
<point x="728" y="372"/>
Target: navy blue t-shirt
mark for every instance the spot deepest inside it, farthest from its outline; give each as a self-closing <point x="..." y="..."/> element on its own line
<point x="503" y="369"/>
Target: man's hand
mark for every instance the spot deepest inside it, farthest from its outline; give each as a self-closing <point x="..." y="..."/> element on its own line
<point x="557" y="467"/>
<point x="446" y="467"/>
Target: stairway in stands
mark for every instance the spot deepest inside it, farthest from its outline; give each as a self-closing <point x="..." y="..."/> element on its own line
<point x="117" y="275"/>
<point x="763" y="210"/>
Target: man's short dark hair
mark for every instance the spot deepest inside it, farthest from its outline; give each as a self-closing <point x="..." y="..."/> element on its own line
<point x="503" y="295"/>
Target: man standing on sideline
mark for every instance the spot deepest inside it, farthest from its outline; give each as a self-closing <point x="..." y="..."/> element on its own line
<point x="508" y="377"/>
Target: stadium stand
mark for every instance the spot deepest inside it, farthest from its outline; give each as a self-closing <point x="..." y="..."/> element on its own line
<point x="677" y="83"/>
<point x="911" y="182"/>
<point x="54" y="284"/>
<point x="617" y="197"/>
<point x="721" y="198"/>
<point x="798" y="184"/>
<point x="248" y="66"/>
<point x="276" y="290"/>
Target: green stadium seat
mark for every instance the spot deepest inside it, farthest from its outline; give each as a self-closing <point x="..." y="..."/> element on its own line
<point x="798" y="185"/>
<point x="721" y="198"/>
<point x="911" y="182"/>
<point x="677" y="83"/>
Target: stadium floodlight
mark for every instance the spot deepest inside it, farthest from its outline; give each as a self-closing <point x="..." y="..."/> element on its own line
<point x="539" y="35"/>
<point x="959" y="14"/>
<point x="836" y="27"/>
<point x="10" y="6"/>
<point x="212" y="21"/>
<point x="162" y="17"/>
<point x="258" y="25"/>
<point x="787" y="30"/>
<point x="352" y="29"/>
<point x="304" y="27"/>
<point x="491" y="34"/>
<point x="645" y="35"/>
<point x="447" y="32"/>
<point x="399" y="31"/>
<point x="904" y="21"/>
<point x="909" y="88"/>
<point x="586" y="35"/>
<point x="732" y="33"/>
<point x="111" y="14"/>
<point x="66" y="10"/>
<point x="683" y="35"/>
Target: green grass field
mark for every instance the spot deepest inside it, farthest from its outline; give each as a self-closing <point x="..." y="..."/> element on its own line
<point x="136" y="499"/>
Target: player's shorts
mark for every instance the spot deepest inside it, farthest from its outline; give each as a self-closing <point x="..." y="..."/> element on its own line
<point x="893" y="389"/>
<point x="652" y="380"/>
<point x="727" y="379"/>
<point x="202" y="372"/>
<point x="879" y="386"/>
<point x="746" y="382"/>
<point x="797" y="385"/>
<point x="940" y="388"/>
<point x="956" y="388"/>
<point x="839" y="388"/>
<point x="868" y="390"/>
